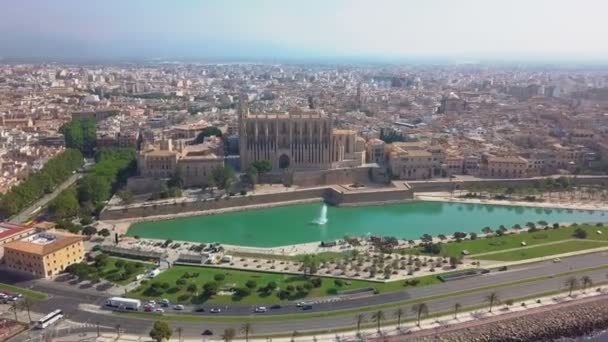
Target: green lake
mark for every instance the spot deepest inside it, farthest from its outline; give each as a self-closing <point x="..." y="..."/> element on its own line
<point x="299" y="223"/>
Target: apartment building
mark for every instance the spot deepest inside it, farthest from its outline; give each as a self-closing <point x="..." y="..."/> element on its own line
<point x="44" y="254"/>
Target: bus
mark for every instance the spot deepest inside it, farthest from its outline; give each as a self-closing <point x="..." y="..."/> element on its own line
<point x="49" y="319"/>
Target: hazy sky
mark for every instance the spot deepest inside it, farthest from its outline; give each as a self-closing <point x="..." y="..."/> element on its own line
<point x="304" y="28"/>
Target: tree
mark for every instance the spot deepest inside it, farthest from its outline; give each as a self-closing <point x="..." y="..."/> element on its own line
<point x="251" y="284"/>
<point x="228" y="335"/>
<point x="223" y="176"/>
<point x="399" y="313"/>
<point x="14" y="309"/>
<point x="177" y="178"/>
<point x="89" y="230"/>
<point x="192" y="288"/>
<point x="94" y="188"/>
<point x="104" y="232"/>
<point x="492" y="298"/>
<point x="207" y="132"/>
<point x="419" y="310"/>
<point x="160" y="331"/>
<point x="246" y="329"/>
<point x="586" y="281"/>
<point x="457" y="307"/>
<point x="126" y="196"/>
<point x="210" y="288"/>
<point x="487" y="230"/>
<point x="262" y="166"/>
<point x="571" y="283"/>
<point x="65" y="205"/>
<point x="360" y="319"/>
<point x="580" y="233"/>
<point x="378" y="317"/>
<point x="80" y="134"/>
<point x="179" y="331"/>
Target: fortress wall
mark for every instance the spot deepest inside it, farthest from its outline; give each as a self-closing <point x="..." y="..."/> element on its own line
<point x="334" y="195"/>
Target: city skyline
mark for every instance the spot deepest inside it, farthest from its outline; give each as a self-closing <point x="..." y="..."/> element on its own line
<point x="272" y="30"/>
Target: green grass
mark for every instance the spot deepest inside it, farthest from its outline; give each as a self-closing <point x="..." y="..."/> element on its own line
<point x="237" y="279"/>
<point x="28" y="293"/>
<point x="499" y="243"/>
<point x="543" y="251"/>
<point x="110" y="268"/>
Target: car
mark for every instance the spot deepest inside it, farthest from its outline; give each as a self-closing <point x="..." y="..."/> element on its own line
<point x="164" y="300"/>
<point x="207" y="332"/>
<point x="275" y="307"/>
<point x="556" y="260"/>
<point x="148" y="308"/>
<point x="503" y="268"/>
<point x="159" y="310"/>
<point x="199" y="310"/>
<point x="178" y="307"/>
<point x="215" y="310"/>
<point x="151" y="302"/>
<point x="164" y="305"/>
<point x="300" y="304"/>
<point x="307" y="307"/>
<point x="260" y="309"/>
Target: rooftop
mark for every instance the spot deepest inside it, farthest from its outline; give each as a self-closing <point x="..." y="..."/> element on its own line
<point x="43" y="243"/>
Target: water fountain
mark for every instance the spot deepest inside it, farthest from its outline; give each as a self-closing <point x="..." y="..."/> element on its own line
<point x="322" y="219"/>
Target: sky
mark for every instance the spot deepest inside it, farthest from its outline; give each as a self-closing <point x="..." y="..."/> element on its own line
<point x="300" y="29"/>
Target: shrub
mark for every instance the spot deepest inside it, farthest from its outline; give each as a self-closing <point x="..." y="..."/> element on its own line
<point x="165" y="285"/>
<point x="219" y="277"/>
<point x="580" y="233"/>
<point x="316" y="282"/>
<point x="339" y="282"/>
<point x="180" y="282"/>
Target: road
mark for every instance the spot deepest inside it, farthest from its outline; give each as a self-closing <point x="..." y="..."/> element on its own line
<point x="71" y="299"/>
<point x="26" y="214"/>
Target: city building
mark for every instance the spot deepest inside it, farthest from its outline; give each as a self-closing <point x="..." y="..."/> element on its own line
<point x="44" y="254"/>
<point x="503" y="167"/>
<point x="195" y="161"/>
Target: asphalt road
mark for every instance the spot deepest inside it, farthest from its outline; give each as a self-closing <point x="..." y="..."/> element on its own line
<point x="69" y="298"/>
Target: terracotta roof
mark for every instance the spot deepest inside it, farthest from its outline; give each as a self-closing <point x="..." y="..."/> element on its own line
<point x="11" y="229"/>
<point x="61" y="241"/>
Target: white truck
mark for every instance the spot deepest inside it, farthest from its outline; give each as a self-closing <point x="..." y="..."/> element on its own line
<point x="119" y="303"/>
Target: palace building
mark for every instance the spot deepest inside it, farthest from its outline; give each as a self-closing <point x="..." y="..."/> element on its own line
<point x="298" y="140"/>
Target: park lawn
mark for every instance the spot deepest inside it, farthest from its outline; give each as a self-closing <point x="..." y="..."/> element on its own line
<point x="543" y="251"/>
<point x="514" y="240"/>
<point x="35" y="295"/>
<point x="110" y="268"/>
<point x="237" y="278"/>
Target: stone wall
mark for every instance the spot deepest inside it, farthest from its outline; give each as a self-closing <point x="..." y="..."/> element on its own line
<point x="334" y="195"/>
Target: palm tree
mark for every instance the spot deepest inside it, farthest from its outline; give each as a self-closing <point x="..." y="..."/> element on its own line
<point x="179" y="331"/>
<point x="228" y="335"/>
<point x="399" y="313"/>
<point x="571" y="283"/>
<point x="246" y="329"/>
<point x="586" y="281"/>
<point x="420" y="309"/>
<point x="14" y="309"/>
<point x="294" y="334"/>
<point x="25" y="305"/>
<point x="117" y="327"/>
<point x="457" y="307"/>
<point x="378" y="317"/>
<point x="492" y="298"/>
<point x="360" y="320"/>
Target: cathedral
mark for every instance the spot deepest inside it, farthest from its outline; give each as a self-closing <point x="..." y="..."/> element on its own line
<point x="298" y="140"/>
